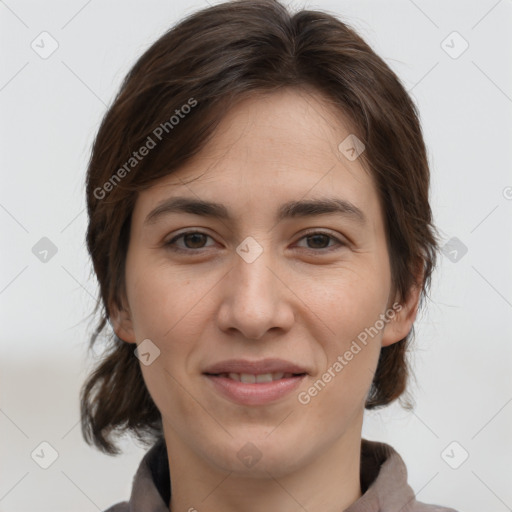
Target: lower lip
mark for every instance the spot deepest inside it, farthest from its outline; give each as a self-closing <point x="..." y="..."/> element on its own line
<point x="254" y="394"/>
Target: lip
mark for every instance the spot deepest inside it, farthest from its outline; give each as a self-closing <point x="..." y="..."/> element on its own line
<point x="254" y="393"/>
<point x="255" y="367"/>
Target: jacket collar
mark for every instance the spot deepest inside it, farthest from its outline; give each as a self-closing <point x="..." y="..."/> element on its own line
<point x="383" y="479"/>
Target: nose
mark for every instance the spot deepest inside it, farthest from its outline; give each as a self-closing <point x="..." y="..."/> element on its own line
<point x="256" y="297"/>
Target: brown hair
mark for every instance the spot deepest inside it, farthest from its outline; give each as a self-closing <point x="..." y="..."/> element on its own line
<point x="209" y="61"/>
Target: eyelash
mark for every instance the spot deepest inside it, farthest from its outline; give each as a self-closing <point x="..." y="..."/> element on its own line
<point x="170" y="244"/>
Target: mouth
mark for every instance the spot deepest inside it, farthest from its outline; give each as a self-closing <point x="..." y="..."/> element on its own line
<point x="252" y="387"/>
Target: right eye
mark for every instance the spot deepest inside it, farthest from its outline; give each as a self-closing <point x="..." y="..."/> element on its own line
<point x="193" y="238"/>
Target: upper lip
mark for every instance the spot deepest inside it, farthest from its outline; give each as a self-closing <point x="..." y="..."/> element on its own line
<point x="256" y="367"/>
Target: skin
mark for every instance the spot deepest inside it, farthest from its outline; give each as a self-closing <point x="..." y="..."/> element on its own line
<point x="298" y="301"/>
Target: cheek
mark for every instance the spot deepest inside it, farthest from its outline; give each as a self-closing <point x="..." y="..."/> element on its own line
<point x="338" y="393"/>
<point x="168" y="312"/>
<point x="349" y="300"/>
<point x="350" y="306"/>
<point x="161" y="300"/>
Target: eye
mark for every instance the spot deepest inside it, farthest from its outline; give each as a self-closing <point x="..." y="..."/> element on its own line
<point x="321" y="238"/>
<point x="192" y="239"/>
<point x="196" y="239"/>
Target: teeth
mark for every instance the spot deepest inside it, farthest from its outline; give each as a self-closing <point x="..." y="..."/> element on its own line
<point x="264" y="377"/>
<point x="249" y="378"/>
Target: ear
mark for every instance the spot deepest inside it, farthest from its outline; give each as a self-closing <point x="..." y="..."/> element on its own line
<point x="121" y="321"/>
<point x="400" y="324"/>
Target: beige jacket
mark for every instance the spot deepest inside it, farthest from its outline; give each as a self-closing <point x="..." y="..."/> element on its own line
<point x="383" y="483"/>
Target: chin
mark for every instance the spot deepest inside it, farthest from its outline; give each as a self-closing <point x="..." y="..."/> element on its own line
<point x="258" y="458"/>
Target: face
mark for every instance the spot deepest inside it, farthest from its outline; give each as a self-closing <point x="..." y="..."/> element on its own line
<point x="221" y="297"/>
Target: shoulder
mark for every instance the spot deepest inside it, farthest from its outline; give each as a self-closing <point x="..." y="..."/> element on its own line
<point x="122" y="506"/>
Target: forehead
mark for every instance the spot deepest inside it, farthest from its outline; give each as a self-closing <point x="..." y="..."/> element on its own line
<point x="268" y="150"/>
<point x="294" y="126"/>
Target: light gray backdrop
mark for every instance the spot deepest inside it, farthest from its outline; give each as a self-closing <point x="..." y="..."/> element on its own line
<point x="61" y="64"/>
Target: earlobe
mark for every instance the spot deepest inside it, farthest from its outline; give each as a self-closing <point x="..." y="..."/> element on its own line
<point x="121" y="322"/>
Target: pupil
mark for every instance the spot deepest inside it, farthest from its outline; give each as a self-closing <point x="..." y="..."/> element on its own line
<point x="325" y="237"/>
<point x="188" y="237"/>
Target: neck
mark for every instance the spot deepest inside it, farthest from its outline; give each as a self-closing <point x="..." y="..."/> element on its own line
<point x="330" y="482"/>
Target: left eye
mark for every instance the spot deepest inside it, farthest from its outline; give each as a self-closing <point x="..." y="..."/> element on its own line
<point x="196" y="239"/>
<point x="320" y="238"/>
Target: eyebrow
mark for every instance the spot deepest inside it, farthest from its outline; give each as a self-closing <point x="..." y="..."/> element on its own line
<point x="291" y="209"/>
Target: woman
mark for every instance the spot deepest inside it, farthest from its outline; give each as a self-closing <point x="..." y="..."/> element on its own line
<point x="260" y="227"/>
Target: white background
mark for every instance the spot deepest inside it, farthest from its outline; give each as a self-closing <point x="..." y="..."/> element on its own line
<point x="50" y="111"/>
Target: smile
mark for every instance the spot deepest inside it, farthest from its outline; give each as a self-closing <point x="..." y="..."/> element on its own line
<point x="254" y="389"/>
